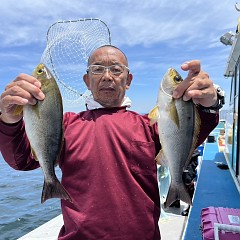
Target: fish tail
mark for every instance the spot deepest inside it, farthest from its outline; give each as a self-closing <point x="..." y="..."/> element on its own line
<point x="54" y="189"/>
<point x="178" y="192"/>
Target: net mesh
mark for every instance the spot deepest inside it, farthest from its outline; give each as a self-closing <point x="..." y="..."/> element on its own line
<point x="69" y="44"/>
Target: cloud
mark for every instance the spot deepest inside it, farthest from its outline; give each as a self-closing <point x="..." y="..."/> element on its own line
<point x="155" y="34"/>
<point x="131" y="22"/>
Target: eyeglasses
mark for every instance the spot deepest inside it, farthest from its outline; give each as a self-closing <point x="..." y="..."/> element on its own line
<point x="114" y="69"/>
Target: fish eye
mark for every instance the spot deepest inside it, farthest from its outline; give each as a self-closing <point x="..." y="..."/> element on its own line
<point x="178" y="78"/>
<point x="40" y="71"/>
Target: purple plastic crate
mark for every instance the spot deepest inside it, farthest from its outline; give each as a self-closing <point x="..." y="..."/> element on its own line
<point x="211" y="215"/>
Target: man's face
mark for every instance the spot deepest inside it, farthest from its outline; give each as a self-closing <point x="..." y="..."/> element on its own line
<point x="108" y="89"/>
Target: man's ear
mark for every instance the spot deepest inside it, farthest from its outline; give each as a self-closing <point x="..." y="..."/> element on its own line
<point x="129" y="80"/>
<point x="86" y="80"/>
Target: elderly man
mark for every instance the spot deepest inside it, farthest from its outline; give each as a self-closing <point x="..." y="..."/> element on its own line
<point x="108" y="158"/>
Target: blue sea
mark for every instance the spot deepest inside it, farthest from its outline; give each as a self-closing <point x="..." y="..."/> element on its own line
<point x="20" y="201"/>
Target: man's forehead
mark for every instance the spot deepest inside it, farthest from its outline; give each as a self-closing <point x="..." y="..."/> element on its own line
<point x="107" y="53"/>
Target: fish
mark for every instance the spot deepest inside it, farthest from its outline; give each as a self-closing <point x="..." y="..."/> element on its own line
<point x="178" y="125"/>
<point x="44" y="129"/>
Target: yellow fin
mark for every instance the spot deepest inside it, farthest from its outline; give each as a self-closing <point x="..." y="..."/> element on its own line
<point x="161" y="159"/>
<point x="197" y="126"/>
<point x="158" y="158"/>
<point x="35" y="108"/>
<point x="56" y="163"/>
<point x="153" y="115"/>
<point x="34" y="154"/>
<point x="238" y="26"/>
<point x="18" y="110"/>
<point x="173" y="113"/>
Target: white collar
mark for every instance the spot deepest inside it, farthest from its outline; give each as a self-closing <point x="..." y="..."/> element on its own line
<point x="92" y="104"/>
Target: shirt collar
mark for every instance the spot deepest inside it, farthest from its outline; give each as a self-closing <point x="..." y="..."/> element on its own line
<point x="92" y="104"/>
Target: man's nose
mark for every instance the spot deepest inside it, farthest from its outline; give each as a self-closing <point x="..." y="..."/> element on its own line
<point x="107" y="74"/>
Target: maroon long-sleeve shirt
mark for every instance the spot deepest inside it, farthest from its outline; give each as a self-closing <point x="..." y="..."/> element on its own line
<point x="108" y="168"/>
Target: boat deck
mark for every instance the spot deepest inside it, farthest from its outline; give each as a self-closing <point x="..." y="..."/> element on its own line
<point x="171" y="226"/>
<point x="47" y="231"/>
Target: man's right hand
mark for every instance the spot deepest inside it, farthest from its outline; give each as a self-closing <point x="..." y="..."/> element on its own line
<point x="25" y="89"/>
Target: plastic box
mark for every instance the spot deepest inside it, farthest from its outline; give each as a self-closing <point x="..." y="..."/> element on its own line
<point x="228" y="218"/>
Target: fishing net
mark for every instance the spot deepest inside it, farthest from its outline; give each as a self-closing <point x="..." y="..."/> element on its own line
<point x="69" y="44"/>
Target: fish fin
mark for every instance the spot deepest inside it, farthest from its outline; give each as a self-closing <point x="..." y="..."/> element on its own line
<point x="177" y="192"/>
<point x="158" y="158"/>
<point x="35" y="109"/>
<point x="173" y="112"/>
<point x="34" y="154"/>
<point x="56" y="163"/>
<point x="18" y="110"/>
<point x="161" y="159"/>
<point x="54" y="189"/>
<point x="197" y="125"/>
<point x="153" y="115"/>
<point x="197" y="122"/>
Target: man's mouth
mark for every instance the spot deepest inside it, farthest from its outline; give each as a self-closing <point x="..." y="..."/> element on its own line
<point x="107" y="89"/>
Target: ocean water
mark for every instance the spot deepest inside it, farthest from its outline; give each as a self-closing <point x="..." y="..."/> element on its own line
<point x="20" y="201"/>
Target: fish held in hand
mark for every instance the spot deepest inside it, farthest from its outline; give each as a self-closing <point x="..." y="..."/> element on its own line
<point x="178" y="125"/>
<point x="44" y="129"/>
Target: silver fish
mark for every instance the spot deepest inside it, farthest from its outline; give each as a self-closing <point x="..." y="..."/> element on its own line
<point x="178" y="125"/>
<point x="44" y="128"/>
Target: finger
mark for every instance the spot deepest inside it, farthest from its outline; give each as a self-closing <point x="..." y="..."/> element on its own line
<point x="24" y="78"/>
<point x="193" y="81"/>
<point x="29" y="79"/>
<point x="21" y="93"/>
<point x="25" y="88"/>
<point x="198" y="88"/>
<point x="181" y="88"/>
<point x="201" y="88"/>
<point x="195" y="93"/>
<point x="186" y="86"/>
<point x="9" y="100"/>
<point x="193" y="66"/>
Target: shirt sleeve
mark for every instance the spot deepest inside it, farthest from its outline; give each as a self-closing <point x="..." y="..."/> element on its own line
<point x="208" y="122"/>
<point x="15" y="147"/>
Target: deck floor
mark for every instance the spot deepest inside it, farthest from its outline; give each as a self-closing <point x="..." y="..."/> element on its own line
<point x="171" y="225"/>
<point x="47" y="231"/>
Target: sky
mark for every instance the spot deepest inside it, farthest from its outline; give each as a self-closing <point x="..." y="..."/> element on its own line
<point x="154" y="34"/>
